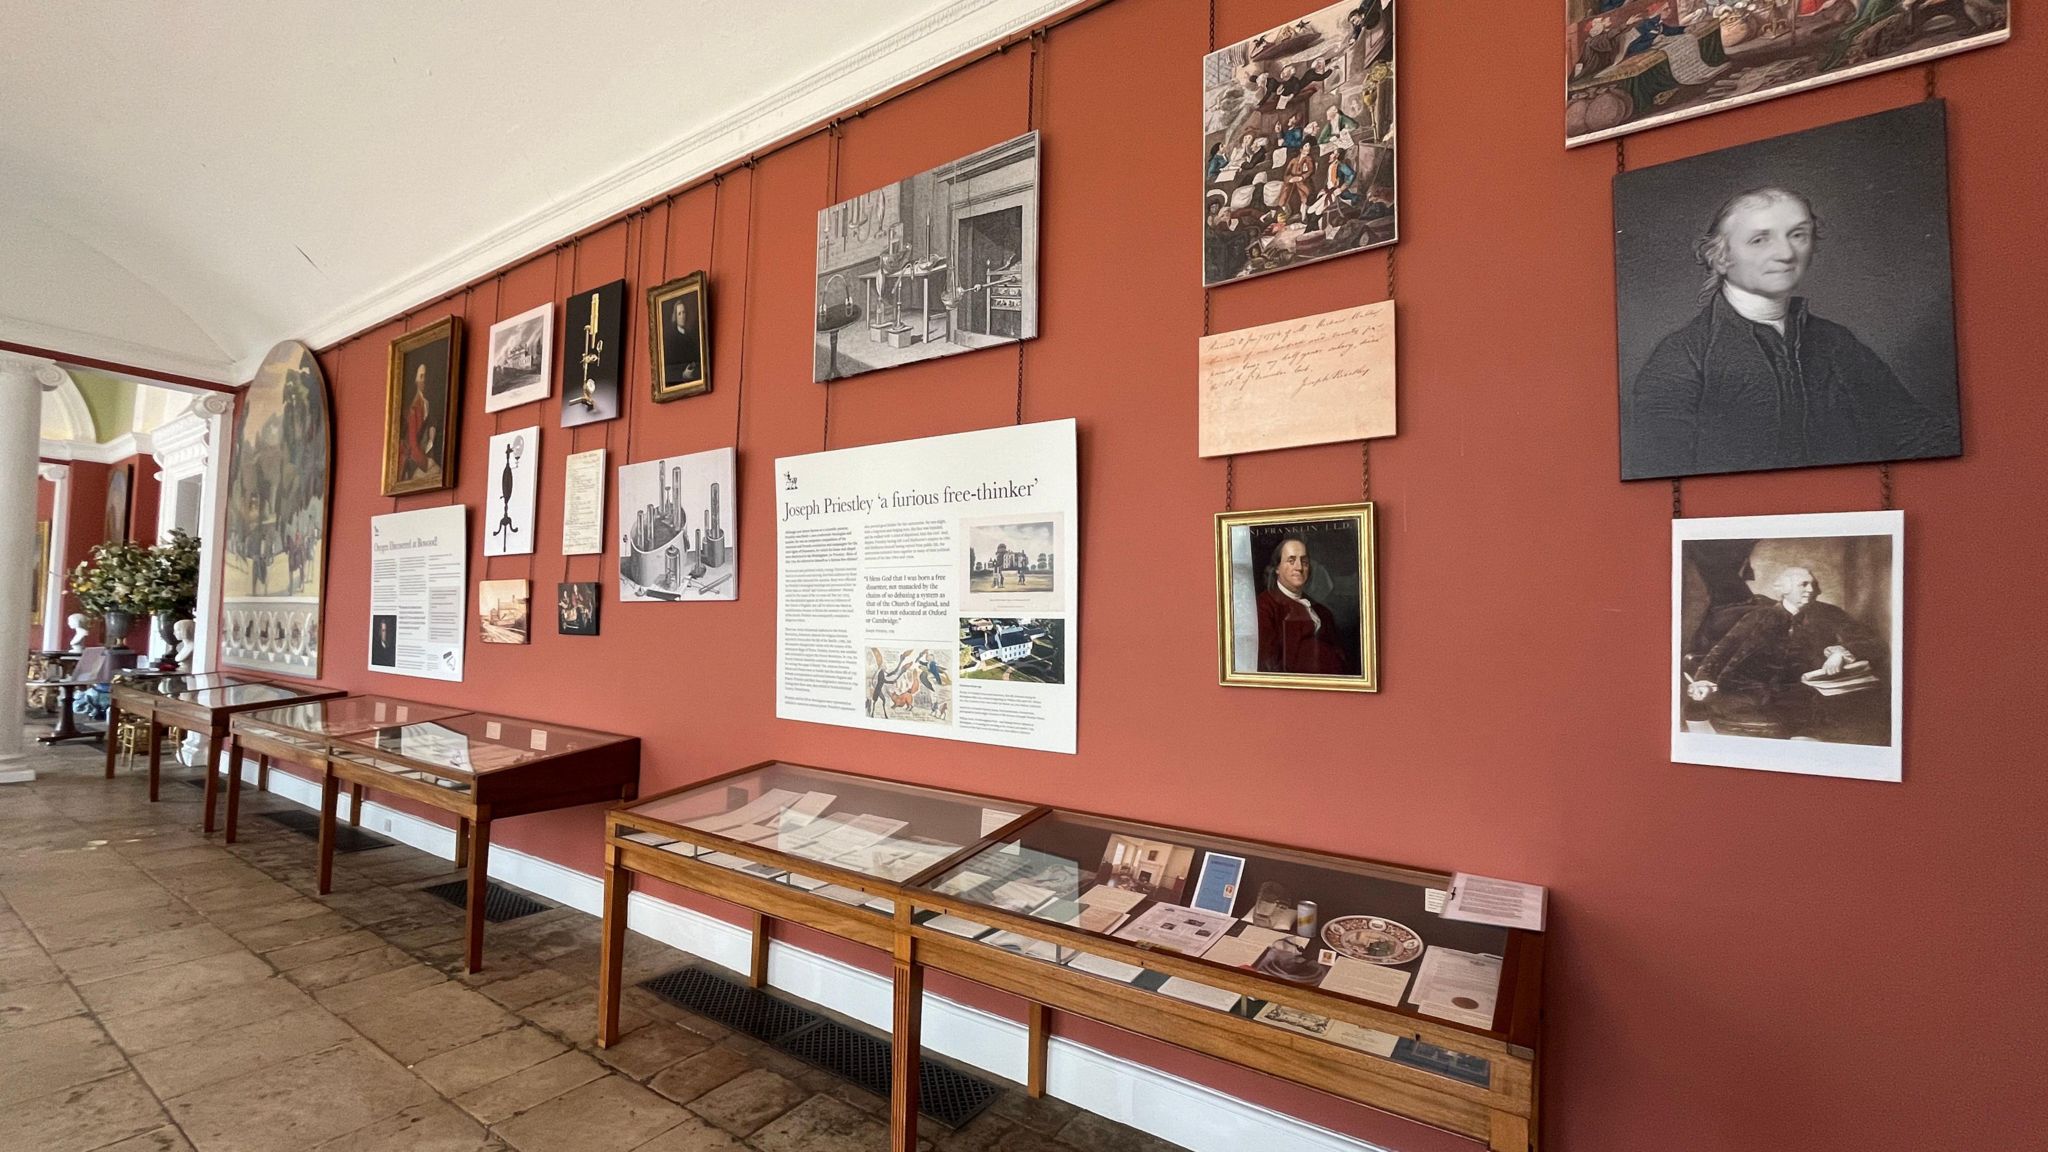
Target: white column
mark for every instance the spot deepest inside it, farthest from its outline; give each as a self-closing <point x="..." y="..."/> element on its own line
<point x="22" y="380"/>
<point x="217" y="408"/>
<point x="56" y="633"/>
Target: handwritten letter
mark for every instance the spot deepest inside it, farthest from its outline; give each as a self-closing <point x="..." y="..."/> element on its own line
<point x="1317" y="380"/>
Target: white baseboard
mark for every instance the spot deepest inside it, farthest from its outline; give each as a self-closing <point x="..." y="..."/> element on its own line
<point x="1181" y="1111"/>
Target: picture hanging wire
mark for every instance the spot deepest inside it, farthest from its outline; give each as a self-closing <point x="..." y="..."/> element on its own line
<point x="1030" y="124"/>
<point x="1229" y="462"/>
<point x="626" y="362"/>
<point x="831" y="198"/>
<point x="451" y="499"/>
<point x="739" y="407"/>
<point x="1884" y="485"/>
<point x="497" y="314"/>
<point x="404" y="322"/>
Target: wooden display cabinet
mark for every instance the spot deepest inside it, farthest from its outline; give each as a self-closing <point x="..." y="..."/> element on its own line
<point x="300" y="734"/>
<point x="480" y="767"/>
<point x="204" y="703"/>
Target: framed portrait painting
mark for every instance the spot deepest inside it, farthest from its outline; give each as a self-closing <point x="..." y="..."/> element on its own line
<point x="678" y="338"/>
<point x="1296" y="598"/>
<point x="422" y="409"/>
<point x="120" y="491"/>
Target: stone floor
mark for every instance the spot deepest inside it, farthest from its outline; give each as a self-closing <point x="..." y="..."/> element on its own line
<point x="160" y="991"/>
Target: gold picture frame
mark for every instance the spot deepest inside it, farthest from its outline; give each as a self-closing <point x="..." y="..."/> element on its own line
<point x="676" y="373"/>
<point x="1315" y="624"/>
<point x="423" y="409"/>
<point x="42" y="581"/>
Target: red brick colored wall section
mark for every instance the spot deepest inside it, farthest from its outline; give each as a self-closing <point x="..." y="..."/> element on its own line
<point x="1738" y="960"/>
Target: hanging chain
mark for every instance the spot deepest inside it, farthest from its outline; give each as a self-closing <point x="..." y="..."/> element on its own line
<point x="1884" y="486"/>
<point x="626" y="272"/>
<point x="1933" y="74"/>
<point x="831" y="198"/>
<point x="1677" y="499"/>
<point x="739" y="407"/>
<point x="1620" y="155"/>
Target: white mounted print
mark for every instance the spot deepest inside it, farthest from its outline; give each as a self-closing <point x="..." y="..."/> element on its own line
<point x="521" y="359"/>
<point x="678" y="538"/>
<point x="509" y="508"/>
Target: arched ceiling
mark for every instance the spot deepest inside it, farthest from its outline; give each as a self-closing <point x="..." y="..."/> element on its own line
<point x="183" y="186"/>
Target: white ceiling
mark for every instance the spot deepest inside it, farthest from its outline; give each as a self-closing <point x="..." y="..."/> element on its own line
<point x="182" y="186"/>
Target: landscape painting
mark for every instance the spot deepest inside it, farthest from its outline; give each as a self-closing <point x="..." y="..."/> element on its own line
<point x="274" y="566"/>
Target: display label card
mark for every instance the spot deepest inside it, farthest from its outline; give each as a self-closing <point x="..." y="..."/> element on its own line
<point x="583" y="503"/>
<point x="1504" y="903"/>
<point x="1216" y="890"/>
<point x="419" y="592"/>
<point x="930" y="587"/>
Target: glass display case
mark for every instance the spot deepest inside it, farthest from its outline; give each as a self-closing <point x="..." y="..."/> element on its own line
<point x="310" y="726"/>
<point x="833" y="833"/>
<point x="451" y="751"/>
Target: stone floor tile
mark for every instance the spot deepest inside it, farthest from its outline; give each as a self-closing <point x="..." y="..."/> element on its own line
<point x="256" y="892"/>
<point x="649" y="1049"/>
<point x="192" y="881"/>
<point x="55" y="1056"/>
<point x="386" y="982"/>
<point x="142" y="953"/>
<point x="435" y="1126"/>
<point x="748" y="1101"/>
<point x="695" y="1135"/>
<point x="39" y="909"/>
<point x="574" y="1016"/>
<point x="115" y="927"/>
<point x="328" y="948"/>
<point x="608" y="1115"/>
<point x="1087" y="1130"/>
<point x="353" y="968"/>
<point x="981" y="1134"/>
<point x="157" y="987"/>
<point x="90" y="1116"/>
<point x="320" y="925"/>
<point x="164" y="1139"/>
<point x="503" y="1099"/>
<point x="484" y="1061"/>
<point x="38" y="1004"/>
<point x="223" y="1055"/>
<point x="429" y="1021"/>
<point x="691" y="1078"/>
<point x="1044" y="1114"/>
<point x="822" y="1124"/>
<point x="234" y="921"/>
<point x="154" y="1028"/>
<point x="530" y="988"/>
<point x="26" y="968"/>
<point x="296" y="1105"/>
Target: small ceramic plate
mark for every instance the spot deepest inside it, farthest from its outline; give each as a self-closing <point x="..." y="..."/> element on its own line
<point x="1372" y="939"/>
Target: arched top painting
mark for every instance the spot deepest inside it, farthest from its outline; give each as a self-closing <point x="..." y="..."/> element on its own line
<point x="274" y="566"/>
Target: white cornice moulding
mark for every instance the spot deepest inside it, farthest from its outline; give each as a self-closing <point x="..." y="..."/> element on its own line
<point x="119" y="448"/>
<point x="77" y="344"/>
<point x="867" y="71"/>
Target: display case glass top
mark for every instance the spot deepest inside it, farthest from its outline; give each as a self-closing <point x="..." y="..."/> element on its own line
<point x="247" y="695"/>
<point x="468" y="744"/>
<point x="873" y="828"/>
<point x="318" y="719"/>
<point x="177" y="683"/>
<point x="1354" y="929"/>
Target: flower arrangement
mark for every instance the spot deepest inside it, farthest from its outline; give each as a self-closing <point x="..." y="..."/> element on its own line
<point x="125" y="577"/>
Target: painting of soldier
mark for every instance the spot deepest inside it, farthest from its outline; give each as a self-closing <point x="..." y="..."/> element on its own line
<point x="274" y="564"/>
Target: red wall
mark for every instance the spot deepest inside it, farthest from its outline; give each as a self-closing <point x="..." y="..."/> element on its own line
<point x="1738" y="960"/>
<point x="143" y="494"/>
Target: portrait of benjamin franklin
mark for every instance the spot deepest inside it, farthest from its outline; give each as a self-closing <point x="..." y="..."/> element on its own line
<point x="1808" y="339"/>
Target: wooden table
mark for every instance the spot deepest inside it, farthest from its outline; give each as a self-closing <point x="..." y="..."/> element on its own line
<point x="1476" y="1080"/>
<point x="299" y="734"/>
<point x="480" y="767"/>
<point x="140" y="694"/>
<point x="210" y="710"/>
<point x="66" y="728"/>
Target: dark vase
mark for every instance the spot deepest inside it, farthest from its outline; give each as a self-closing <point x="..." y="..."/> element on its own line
<point x="114" y="627"/>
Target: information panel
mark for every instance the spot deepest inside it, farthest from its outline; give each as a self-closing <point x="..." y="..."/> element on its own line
<point x="930" y="586"/>
<point x="419" y="586"/>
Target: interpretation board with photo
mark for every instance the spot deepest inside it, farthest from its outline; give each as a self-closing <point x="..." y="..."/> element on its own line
<point x="678" y="528"/>
<point x="1298" y="143"/>
<point x="1787" y="640"/>
<point x="274" y="569"/>
<point x="1832" y="243"/>
<point x="594" y="338"/>
<point x="521" y="356"/>
<point x="509" y="511"/>
<point x="583" y="503"/>
<point x="1634" y="66"/>
<point x="942" y="262"/>
<point x="931" y="587"/>
<point x="1297" y="598"/>
<point x="419" y="592"/>
<point x="1317" y="380"/>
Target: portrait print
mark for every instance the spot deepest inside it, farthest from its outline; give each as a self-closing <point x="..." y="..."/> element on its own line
<point x="1635" y="64"/>
<point x="384" y="640"/>
<point x="594" y="334"/>
<point x="914" y="684"/>
<point x="274" y="568"/>
<point x="1298" y="142"/>
<point x="502" y="611"/>
<point x="1788" y="303"/>
<point x="1786" y="643"/>
<point x="576" y="609"/>
<point x="120" y="492"/>
<point x="936" y="264"/>
<point x="678" y="337"/>
<point x="521" y="359"/>
<point x="1297" y="598"/>
<point x="422" y="408"/>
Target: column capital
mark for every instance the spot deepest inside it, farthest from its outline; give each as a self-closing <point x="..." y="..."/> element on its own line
<point x="214" y="404"/>
<point x="44" y="371"/>
<point x="53" y="472"/>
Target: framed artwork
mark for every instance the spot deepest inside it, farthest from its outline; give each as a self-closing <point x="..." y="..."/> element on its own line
<point x="1788" y="303"/>
<point x="521" y="357"/>
<point x="1786" y="643"/>
<point x="936" y="264"/>
<point x="678" y="538"/>
<point x="1298" y="143"/>
<point x="594" y="329"/>
<point x="679" y="337"/>
<point x="1297" y="594"/>
<point x="120" y="491"/>
<point x="423" y="408"/>
<point x="42" y="580"/>
<point x="576" y="609"/>
<point x="502" y="614"/>
<point x="515" y="462"/>
<point x="274" y="568"/>
<point x="1641" y="63"/>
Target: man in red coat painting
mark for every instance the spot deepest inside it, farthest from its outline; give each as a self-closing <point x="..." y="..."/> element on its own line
<point x="1296" y="634"/>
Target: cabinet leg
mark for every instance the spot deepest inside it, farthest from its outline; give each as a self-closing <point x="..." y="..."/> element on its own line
<point x="234" y="785"/>
<point x="263" y="773"/>
<point x="479" y="879"/>
<point x="611" y="961"/>
<point x="1036" y="1017"/>
<point x="462" y="841"/>
<point x="904" y="1046"/>
<point x="355" y="805"/>
<point x="113" y="728"/>
<point x="1510" y="1133"/>
<point x="330" y="788"/>
<point x="156" y="756"/>
<point x="212" y="763"/>
<point x="757" y="969"/>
